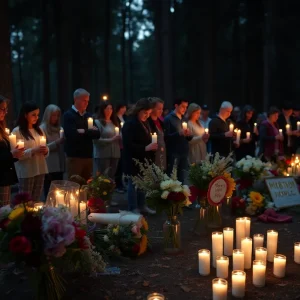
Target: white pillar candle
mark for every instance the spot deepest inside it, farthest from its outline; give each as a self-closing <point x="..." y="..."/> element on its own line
<point x="74" y="205"/>
<point x="238" y="260"/>
<point x="228" y="240"/>
<point x="288" y="128"/>
<point x="261" y="254"/>
<point x="231" y="127"/>
<point x="7" y="130"/>
<point x="259" y="273"/>
<point x="298" y="125"/>
<point x="117" y="131"/>
<point x="20" y="143"/>
<point x="217" y="246"/>
<point x="248" y="135"/>
<point x="279" y="265"/>
<point x="42" y="141"/>
<point x="255" y="127"/>
<point x="121" y="124"/>
<point x="272" y="240"/>
<point x="297" y="253"/>
<point x="155" y="296"/>
<point x="82" y="209"/>
<point x="222" y="263"/>
<point x="238" y="283"/>
<point x="258" y="240"/>
<point x="90" y="123"/>
<point x="12" y="140"/>
<point x="184" y="125"/>
<point x="240" y="231"/>
<point x="247" y="226"/>
<point x="219" y="287"/>
<point x="206" y="130"/>
<point x="154" y="137"/>
<point x="60" y="198"/>
<point x="204" y="262"/>
<point x="238" y="136"/>
<point x="280" y="131"/>
<point x="247" y="249"/>
<point x="61" y="133"/>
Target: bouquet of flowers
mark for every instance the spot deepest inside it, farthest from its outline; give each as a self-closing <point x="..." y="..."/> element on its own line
<point x="45" y="240"/>
<point x="125" y="240"/>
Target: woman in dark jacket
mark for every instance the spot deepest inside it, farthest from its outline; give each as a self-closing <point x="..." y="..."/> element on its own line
<point x="8" y="156"/>
<point x="245" y="124"/>
<point x="137" y="143"/>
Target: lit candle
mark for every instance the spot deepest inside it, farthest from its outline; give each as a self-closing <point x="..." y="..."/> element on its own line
<point x="206" y="130"/>
<point x="228" y="240"/>
<point x="238" y="283"/>
<point x="20" y="144"/>
<point x="280" y="131"/>
<point x="117" y="131"/>
<point x="38" y="206"/>
<point x="82" y="209"/>
<point x="217" y="246"/>
<point x="61" y="133"/>
<point x="154" y="137"/>
<point x="261" y="254"/>
<point x="90" y="123"/>
<point x="222" y="263"/>
<point x="259" y="273"/>
<point x="288" y="128"/>
<point x="298" y="125"/>
<point x="7" y="130"/>
<point x="247" y="249"/>
<point x="272" y="240"/>
<point x="297" y="253"/>
<point x="231" y="127"/>
<point x="73" y="206"/>
<point x="255" y="127"/>
<point x="155" y="296"/>
<point x="104" y="98"/>
<point x="42" y="141"/>
<point x="121" y="124"/>
<point x="184" y="125"/>
<point x="289" y="170"/>
<point x="238" y="260"/>
<point x="258" y="240"/>
<point x="247" y="135"/>
<point x="247" y="226"/>
<point x="238" y="136"/>
<point x="12" y="140"/>
<point x="279" y="265"/>
<point x="219" y="287"/>
<point x="240" y="231"/>
<point x="60" y="198"/>
<point x="204" y="262"/>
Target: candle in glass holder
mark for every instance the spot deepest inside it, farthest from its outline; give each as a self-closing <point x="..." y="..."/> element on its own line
<point x="82" y="209"/>
<point x="117" y="131"/>
<point x="219" y="287"/>
<point x="272" y="240"/>
<point x="240" y="231"/>
<point x="61" y="133"/>
<point x="154" y="137"/>
<point x="7" y="131"/>
<point x="238" y="260"/>
<point x="90" y="123"/>
<point x="42" y="141"/>
<point x="73" y="205"/>
<point x="231" y="127"/>
<point x="259" y="273"/>
<point x="222" y="263"/>
<point x="297" y="253"/>
<point x="13" y="141"/>
<point x="184" y="125"/>
<point x="238" y="283"/>
<point x="60" y="198"/>
<point x="217" y="246"/>
<point x="228" y="240"/>
<point x="20" y="143"/>
<point x="247" y="226"/>
<point x="280" y="131"/>
<point x="279" y="265"/>
<point x="247" y="135"/>
<point x="155" y="296"/>
<point x="247" y="249"/>
<point x="258" y="240"/>
<point x="204" y="262"/>
<point x="261" y="254"/>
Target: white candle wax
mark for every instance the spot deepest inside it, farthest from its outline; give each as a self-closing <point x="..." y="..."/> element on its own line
<point x="279" y="265"/>
<point x="231" y="127"/>
<point x="288" y="128"/>
<point x="247" y="226"/>
<point x="240" y="231"/>
<point x="280" y="131"/>
<point x="7" y="130"/>
<point x="20" y="144"/>
<point x="238" y="136"/>
<point x="90" y="123"/>
<point x="42" y="141"/>
<point x="154" y="137"/>
<point x="248" y="135"/>
<point x="219" y="287"/>
<point x="298" y="125"/>
<point x="60" y="198"/>
<point x="247" y="249"/>
<point x="206" y="130"/>
<point x="73" y="205"/>
<point x="204" y="262"/>
<point x="238" y="260"/>
<point x="155" y="296"/>
<point x="238" y="283"/>
<point x="228" y="240"/>
<point x="258" y="240"/>
<point x="272" y="240"/>
<point x="121" y="124"/>
<point x="259" y="273"/>
<point x="297" y="253"/>
<point x="261" y="254"/>
<point x="12" y="140"/>
<point x="255" y="127"/>
<point x="184" y="125"/>
<point x="61" y="133"/>
<point x="82" y="208"/>
<point x="117" y="131"/>
<point x="222" y="266"/>
<point x="217" y="246"/>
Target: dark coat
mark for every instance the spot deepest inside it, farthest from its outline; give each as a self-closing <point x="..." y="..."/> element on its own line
<point x="282" y="125"/>
<point x="135" y="139"/>
<point x="153" y="126"/>
<point x="8" y="174"/>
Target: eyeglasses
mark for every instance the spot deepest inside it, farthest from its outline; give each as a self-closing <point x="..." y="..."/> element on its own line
<point x="4" y="110"/>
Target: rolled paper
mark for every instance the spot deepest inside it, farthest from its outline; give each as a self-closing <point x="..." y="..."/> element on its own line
<point x="259" y="273"/>
<point x="279" y="265"/>
<point x="297" y="253"/>
<point x="204" y="262"/>
<point x="272" y="240"/>
<point x="219" y="287"/>
<point x="124" y="218"/>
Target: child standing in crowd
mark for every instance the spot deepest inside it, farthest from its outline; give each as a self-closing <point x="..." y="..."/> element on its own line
<point x="31" y="167"/>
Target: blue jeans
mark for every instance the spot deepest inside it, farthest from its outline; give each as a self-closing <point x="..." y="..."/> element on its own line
<point x="136" y="198"/>
<point x="182" y="165"/>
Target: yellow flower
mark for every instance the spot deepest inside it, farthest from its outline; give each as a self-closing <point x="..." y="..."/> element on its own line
<point x="16" y="213"/>
<point x="145" y="224"/>
<point x="231" y="184"/>
<point x="143" y="244"/>
<point x="104" y="193"/>
<point x="116" y="230"/>
<point x="106" y="180"/>
<point x="256" y="198"/>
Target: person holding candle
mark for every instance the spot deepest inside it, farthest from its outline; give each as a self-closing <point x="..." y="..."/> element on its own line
<point x="32" y="166"/>
<point x="8" y="157"/>
<point x="197" y="145"/>
<point x="56" y="159"/>
<point x="78" y="138"/>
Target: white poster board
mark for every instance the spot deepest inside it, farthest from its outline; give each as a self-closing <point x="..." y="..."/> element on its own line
<point x="284" y="191"/>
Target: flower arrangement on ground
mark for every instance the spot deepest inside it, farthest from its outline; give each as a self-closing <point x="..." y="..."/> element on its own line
<point x="45" y="241"/>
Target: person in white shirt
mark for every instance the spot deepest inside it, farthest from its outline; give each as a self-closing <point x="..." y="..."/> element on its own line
<point x="31" y="167"/>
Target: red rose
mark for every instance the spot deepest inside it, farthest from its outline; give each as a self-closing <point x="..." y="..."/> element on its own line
<point x="80" y="233"/>
<point x="21" y="198"/>
<point x="136" y="248"/>
<point x="176" y="197"/>
<point x="96" y="205"/>
<point x="20" y="245"/>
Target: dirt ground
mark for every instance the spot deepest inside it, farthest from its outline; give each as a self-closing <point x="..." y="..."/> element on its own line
<point x="174" y="276"/>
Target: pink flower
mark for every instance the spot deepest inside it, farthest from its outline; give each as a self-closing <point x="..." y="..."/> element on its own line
<point x="136" y="231"/>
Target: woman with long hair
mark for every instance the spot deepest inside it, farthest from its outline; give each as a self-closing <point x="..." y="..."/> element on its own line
<point x="56" y="159"/>
<point x="31" y="167"/>
<point x="8" y="156"/>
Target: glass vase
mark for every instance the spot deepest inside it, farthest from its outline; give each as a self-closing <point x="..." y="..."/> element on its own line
<point x="200" y="227"/>
<point x="214" y="217"/>
<point x="172" y="235"/>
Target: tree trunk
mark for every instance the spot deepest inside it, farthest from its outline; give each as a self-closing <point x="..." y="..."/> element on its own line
<point x="107" y="46"/>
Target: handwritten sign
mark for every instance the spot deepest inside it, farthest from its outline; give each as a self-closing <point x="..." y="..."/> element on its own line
<point x="217" y="190"/>
<point x="284" y="191"/>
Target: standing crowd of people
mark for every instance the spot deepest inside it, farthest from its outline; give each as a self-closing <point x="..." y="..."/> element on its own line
<point x="113" y="138"/>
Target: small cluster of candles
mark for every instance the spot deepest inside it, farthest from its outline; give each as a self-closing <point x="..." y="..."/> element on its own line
<point x="222" y="249"/>
<point x="294" y="169"/>
<point x="238" y="133"/>
<point x="14" y="142"/>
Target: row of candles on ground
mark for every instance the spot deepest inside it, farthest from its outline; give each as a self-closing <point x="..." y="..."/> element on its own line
<point x="222" y="248"/>
<point x="294" y="169"/>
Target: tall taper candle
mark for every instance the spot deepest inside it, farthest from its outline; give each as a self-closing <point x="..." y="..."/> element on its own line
<point x="247" y="248"/>
<point x="272" y="240"/>
<point x="228" y="233"/>
<point x="217" y="246"/>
